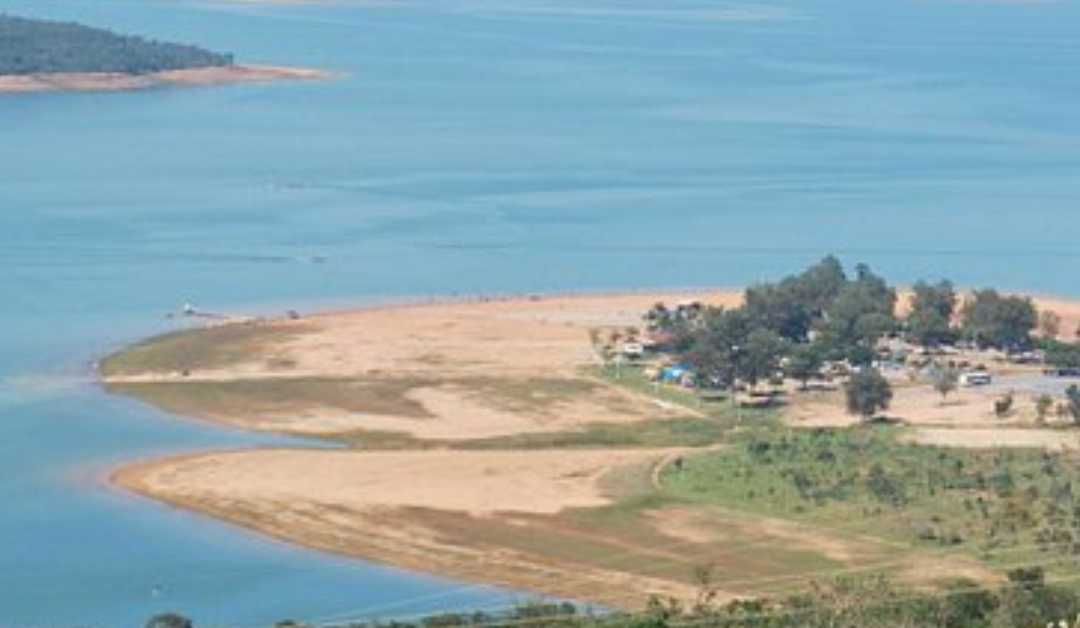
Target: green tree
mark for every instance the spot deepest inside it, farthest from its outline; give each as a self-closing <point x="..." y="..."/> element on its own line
<point x="778" y="307"/>
<point x="169" y="620"/>
<point x="929" y="323"/>
<point x="761" y="358"/>
<point x="1003" y="406"/>
<point x="804" y="364"/>
<point x="1001" y="322"/>
<point x="946" y="381"/>
<point x="867" y="393"/>
<point x="719" y="343"/>
<point x="794" y="305"/>
<point x="659" y="317"/>
<point x="1043" y="404"/>
<point x="884" y="487"/>
<point x="1072" y="397"/>
<point x="861" y="314"/>
<point x="47" y="47"/>
<point x="730" y="348"/>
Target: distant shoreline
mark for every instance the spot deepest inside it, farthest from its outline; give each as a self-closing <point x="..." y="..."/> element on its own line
<point x="120" y="82"/>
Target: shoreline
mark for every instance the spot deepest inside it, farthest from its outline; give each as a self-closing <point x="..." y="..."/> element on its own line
<point x="120" y="82"/>
<point x="461" y="359"/>
<point x="392" y="541"/>
<point x="412" y="535"/>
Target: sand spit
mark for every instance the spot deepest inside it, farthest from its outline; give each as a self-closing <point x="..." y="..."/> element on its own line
<point x="114" y="82"/>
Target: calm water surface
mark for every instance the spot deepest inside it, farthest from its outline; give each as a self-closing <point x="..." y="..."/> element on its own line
<point x="475" y="146"/>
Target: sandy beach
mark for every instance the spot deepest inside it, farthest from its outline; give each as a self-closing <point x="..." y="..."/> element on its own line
<point x="114" y="82"/>
<point x="453" y="371"/>
<point x="434" y="380"/>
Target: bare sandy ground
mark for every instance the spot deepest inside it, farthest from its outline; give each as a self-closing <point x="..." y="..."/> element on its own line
<point x="479" y="483"/>
<point x="992" y="438"/>
<point x="969" y="411"/>
<point x="110" y="82"/>
<point x="422" y="510"/>
<point x="920" y="405"/>
<point x="469" y="369"/>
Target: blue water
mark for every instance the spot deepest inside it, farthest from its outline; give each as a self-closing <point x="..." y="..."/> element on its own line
<point x="475" y="146"/>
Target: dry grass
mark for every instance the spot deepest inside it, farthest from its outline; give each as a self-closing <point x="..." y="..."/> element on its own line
<point x="211" y="347"/>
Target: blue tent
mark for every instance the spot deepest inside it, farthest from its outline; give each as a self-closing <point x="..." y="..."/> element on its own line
<point x="674" y="373"/>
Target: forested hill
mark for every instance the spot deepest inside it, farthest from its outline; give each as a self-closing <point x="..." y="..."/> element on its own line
<point x="42" y="47"/>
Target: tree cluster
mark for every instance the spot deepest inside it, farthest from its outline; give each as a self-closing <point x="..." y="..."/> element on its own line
<point x="797" y="323"/>
<point x="45" y="47"/>
<point x="795" y="326"/>
<point x="993" y="320"/>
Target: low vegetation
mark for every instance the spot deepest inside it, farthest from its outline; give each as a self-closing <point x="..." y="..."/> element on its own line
<point x="202" y="348"/>
<point x="1005" y="507"/>
<point x="1028" y="600"/>
<point x="45" y="47"/>
<point x="279" y="397"/>
<point x="685" y="432"/>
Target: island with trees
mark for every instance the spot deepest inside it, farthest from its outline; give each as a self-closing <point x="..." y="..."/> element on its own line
<point x="41" y="55"/>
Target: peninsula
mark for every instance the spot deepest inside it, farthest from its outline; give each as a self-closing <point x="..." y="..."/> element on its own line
<point x="556" y="443"/>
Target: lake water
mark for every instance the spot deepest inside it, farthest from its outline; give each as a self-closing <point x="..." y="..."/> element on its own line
<point x="475" y="146"/>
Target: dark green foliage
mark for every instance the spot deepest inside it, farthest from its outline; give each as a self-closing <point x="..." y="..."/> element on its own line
<point x="804" y="363"/>
<point x="1073" y="404"/>
<point x="861" y="314"/>
<point x="800" y="321"/>
<point x="867" y="393"/>
<point x="1028" y="578"/>
<point x="793" y="306"/>
<point x="719" y="344"/>
<point x="728" y="347"/>
<point x="169" y="620"/>
<point x="1004" y="405"/>
<point x="1000" y="322"/>
<point x="930" y="321"/>
<point x="975" y="500"/>
<point x="1043" y="404"/>
<point x="884" y="487"/>
<point x="42" y="47"/>
<point x="1060" y="354"/>
<point x="946" y="381"/>
<point x="760" y="360"/>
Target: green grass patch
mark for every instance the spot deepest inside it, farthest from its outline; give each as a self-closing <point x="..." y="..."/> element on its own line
<point x="998" y="505"/>
<point x="211" y="347"/>
<point x="686" y="432"/>
<point x="526" y="394"/>
<point x="279" y="397"/>
<point x="713" y="404"/>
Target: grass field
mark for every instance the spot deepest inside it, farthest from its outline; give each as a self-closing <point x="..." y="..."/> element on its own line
<point x="202" y="348"/>
<point x="1002" y="507"/>
<point x="688" y="432"/>
<point x="278" y="397"/>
